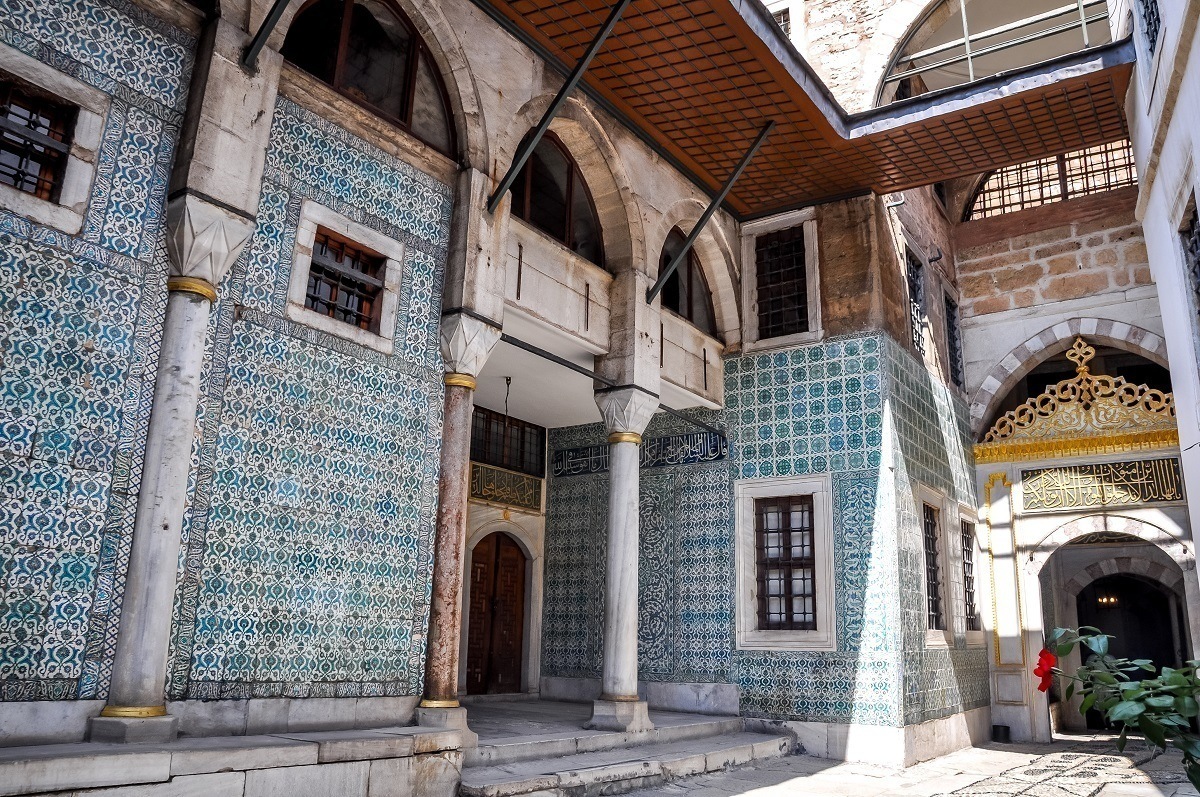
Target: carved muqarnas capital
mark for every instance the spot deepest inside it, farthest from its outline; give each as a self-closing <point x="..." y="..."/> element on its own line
<point x="203" y="239"/>
<point x="626" y="411"/>
<point x="467" y="343"/>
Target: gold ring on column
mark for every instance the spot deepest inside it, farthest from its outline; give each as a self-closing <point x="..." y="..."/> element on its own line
<point x="134" y="712"/>
<point x="428" y="703"/>
<point x="625" y="437"/>
<point x="460" y="380"/>
<point x="193" y="285"/>
<point x="620" y="698"/>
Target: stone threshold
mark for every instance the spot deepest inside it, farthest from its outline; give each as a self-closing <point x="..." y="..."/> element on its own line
<point x="384" y="760"/>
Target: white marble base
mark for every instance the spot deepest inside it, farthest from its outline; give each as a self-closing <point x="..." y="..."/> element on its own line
<point x="127" y="729"/>
<point x="454" y="718"/>
<point x="620" y="715"/>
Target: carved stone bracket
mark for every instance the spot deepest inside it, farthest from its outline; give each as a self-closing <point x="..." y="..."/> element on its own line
<point x="467" y="343"/>
<point x="626" y="411"/>
<point x="204" y="240"/>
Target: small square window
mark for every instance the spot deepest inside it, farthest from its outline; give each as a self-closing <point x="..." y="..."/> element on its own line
<point x="782" y="283"/>
<point x="783" y="18"/>
<point x="786" y="563"/>
<point x="345" y="281"/>
<point x="35" y="139"/>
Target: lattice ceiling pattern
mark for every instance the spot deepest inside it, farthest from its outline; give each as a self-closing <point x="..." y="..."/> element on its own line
<point x="695" y="76"/>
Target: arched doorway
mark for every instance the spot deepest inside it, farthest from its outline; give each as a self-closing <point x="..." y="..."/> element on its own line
<point x="1138" y="613"/>
<point x="496" y="620"/>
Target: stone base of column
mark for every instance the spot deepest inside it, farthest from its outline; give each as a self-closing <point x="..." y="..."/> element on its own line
<point x="449" y="718"/>
<point x="133" y="729"/>
<point x="620" y="715"/>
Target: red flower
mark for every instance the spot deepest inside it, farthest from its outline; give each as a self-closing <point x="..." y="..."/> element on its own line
<point x="1045" y="669"/>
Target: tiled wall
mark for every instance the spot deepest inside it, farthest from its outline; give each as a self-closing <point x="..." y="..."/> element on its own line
<point x="80" y="321"/>
<point x="845" y="407"/>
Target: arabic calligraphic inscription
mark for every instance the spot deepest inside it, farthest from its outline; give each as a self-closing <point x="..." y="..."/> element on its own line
<point x="1146" y="481"/>
<point x="499" y="486"/>
<point x="657" y="452"/>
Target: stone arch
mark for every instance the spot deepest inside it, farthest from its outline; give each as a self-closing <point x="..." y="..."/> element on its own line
<point x="526" y="539"/>
<point x="1179" y="550"/>
<point x="596" y="155"/>
<point x="1170" y="577"/>
<point x="915" y="21"/>
<point x="449" y="55"/>
<point x="1055" y="340"/>
<point x="716" y="259"/>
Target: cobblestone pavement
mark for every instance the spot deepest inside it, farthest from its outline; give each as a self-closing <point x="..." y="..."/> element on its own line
<point x="1070" y="767"/>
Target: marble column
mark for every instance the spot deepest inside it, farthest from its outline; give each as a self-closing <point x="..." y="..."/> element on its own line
<point x="626" y="412"/>
<point x="203" y="242"/>
<point x="466" y="343"/>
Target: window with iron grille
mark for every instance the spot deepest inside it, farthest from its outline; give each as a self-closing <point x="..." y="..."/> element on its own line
<point x="782" y="283"/>
<point x="345" y="281"/>
<point x="506" y="442"/>
<point x="34" y="139"/>
<point x="968" y="554"/>
<point x="786" y="563"/>
<point x="916" y="298"/>
<point x="1074" y="174"/>
<point x="1190" y="235"/>
<point x="933" y="568"/>
<point x="1151" y="22"/>
<point x="783" y="18"/>
<point x="954" y="342"/>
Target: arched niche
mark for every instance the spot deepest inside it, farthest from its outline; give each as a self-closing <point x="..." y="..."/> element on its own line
<point x="716" y="260"/>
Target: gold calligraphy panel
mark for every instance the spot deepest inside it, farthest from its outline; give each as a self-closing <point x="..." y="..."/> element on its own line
<point x="499" y="486"/>
<point x="1145" y="481"/>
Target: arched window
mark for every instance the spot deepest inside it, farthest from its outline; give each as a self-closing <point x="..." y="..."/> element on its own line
<point x="370" y="52"/>
<point x="550" y="194"/>
<point x="1040" y="182"/>
<point x="686" y="292"/>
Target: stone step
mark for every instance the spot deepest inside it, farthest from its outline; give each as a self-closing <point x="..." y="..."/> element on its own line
<point x="536" y="747"/>
<point x="616" y="771"/>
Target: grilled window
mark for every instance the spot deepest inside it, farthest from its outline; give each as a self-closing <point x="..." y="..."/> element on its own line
<point x="506" y="442"/>
<point x="782" y="283"/>
<point x="786" y="563"/>
<point x="1040" y="182"/>
<point x="968" y="554"/>
<point x="933" y="569"/>
<point x="686" y="291"/>
<point x="345" y="281"/>
<point x="783" y="18"/>
<point x="954" y="342"/>
<point x="1191" y="253"/>
<point x="34" y="139"/>
<point x="1151" y="22"/>
<point x="550" y="194"/>
<point x="916" y="298"/>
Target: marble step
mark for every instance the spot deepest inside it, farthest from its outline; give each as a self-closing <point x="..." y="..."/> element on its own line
<point x="540" y="746"/>
<point x="622" y="770"/>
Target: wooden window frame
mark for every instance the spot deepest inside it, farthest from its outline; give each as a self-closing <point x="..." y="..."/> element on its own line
<point x="750" y="232"/>
<point x="788" y="564"/>
<point x="516" y="426"/>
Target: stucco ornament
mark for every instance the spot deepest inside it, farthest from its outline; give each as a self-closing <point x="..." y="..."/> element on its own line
<point x="626" y="411"/>
<point x="467" y="343"/>
<point x="204" y="240"/>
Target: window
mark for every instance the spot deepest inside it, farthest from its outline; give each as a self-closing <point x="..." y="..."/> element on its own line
<point x="1151" y="22"/>
<point x="686" y="292"/>
<point x="786" y="563"/>
<point x="506" y="442"/>
<point x="550" y="194"/>
<point x="916" y="298"/>
<point x="970" y="605"/>
<point x="34" y="139"/>
<point x="1029" y="185"/>
<point x="954" y="343"/>
<point x="931" y="532"/>
<point x="941" y="194"/>
<point x="783" y="18"/>
<point x="782" y="284"/>
<point x="1190" y="235"/>
<point x="370" y="52"/>
<point x="785" y="583"/>
<point x="344" y="281"/>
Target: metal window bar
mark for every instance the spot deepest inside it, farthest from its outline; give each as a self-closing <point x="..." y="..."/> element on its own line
<point x="968" y="553"/>
<point x="916" y="299"/>
<point x="783" y="18"/>
<point x="954" y="343"/>
<point x="1151" y="22"/>
<point x="933" y="570"/>
<point x="782" y="283"/>
<point x="34" y="140"/>
<point x="505" y="442"/>
<point x="786" y="563"/>
<point x="344" y="282"/>
<point x="1190" y="235"/>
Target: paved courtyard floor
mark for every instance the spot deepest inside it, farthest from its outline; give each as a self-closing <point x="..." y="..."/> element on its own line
<point x="1070" y="767"/>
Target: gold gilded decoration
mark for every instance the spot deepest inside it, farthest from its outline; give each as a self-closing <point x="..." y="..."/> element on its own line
<point x="428" y="703"/>
<point x="192" y="285"/>
<point x="625" y="437"/>
<point x="460" y="380"/>
<point x="1087" y="414"/>
<point x="134" y="712"/>
<point x="1104" y="484"/>
<point x="506" y="487"/>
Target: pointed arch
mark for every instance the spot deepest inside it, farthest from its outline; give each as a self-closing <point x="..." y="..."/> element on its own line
<point x="716" y="260"/>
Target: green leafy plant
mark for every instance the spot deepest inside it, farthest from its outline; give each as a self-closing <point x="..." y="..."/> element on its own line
<point x="1161" y="707"/>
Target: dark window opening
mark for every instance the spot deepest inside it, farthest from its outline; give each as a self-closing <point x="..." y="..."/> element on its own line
<point x="783" y="18"/>
<point x="933" y="569"/>
<point x="941" y="194"/>
<point x="968" y="554"/>
<point x="345" y="281"/>
<point x="786" y="563"/>
<point x="370" y="52"/>
<point x="1190" y="235"/>
<point x="782" y="278"/>
<point x="34" y="139"/>
<point x="954" y="343"/>
<point x="505" y="442"/>
<point x="550" y="194"/>
<point x="685" y="292"/>
<point x="1151" y="22"/>
<point x="916" y="298"/>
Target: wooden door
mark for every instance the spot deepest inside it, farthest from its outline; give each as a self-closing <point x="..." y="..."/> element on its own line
<point x="496" y="619"/>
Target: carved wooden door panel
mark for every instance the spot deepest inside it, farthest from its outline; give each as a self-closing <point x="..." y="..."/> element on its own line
<point x="496" y="622"/>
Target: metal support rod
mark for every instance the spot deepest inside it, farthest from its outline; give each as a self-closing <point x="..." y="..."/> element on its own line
<point x="250" y="56"/>
<point x="573" y="79"/>
<point x="579" y="369"/>
<point x="1083" y="23"/>
<point x="709" y="211"/>
<point x="962" y="6"/>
